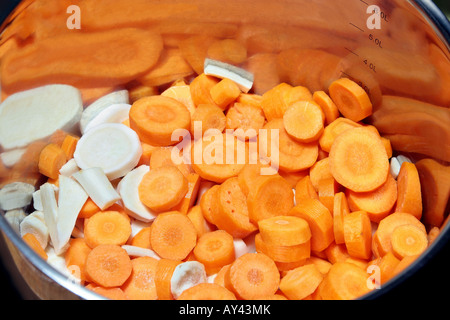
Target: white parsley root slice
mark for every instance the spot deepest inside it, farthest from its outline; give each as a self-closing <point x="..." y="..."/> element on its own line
<point x="222" y="70"/>
<point x="187" y="275"/>
<point x="92" y="110"/>
<point x="115" y="113"/>
<point x="14" y="218"/>
<point x="113" y="147"/>
<point x="44" y="110"/>
<point x="16" y="195"/>
<point x="50" y="210"/>
<point x="97" y="186"/>
<point x="135" y="251"/>
<point x="128" y="191"/>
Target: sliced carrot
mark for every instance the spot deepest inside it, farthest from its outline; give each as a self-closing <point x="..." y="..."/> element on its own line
<point x="232" y="215"/>
<point x="326" y="191"/>
<point x="195" y="50"/>
<point x="403" y="264"/>
<point x="219" y="157"/>
<point x="377" y="203"/>
<point x="304" y="189"/>
<point x="322" y="265"/>
<point x="303" y="121"/>
<point x="224" y="93"/>
<point x="433" y="233"/>
<point x="76" y="256"/>
<point x="88" y="209"/>
<point x="320" y="222"/>
<point x="283" y="254"/>
<point x="209" y="205"/>
<point x="273" y="102"/>
<point x="387" y="145"/>
<point x="220" y="276"/>
<point x="340" y="210"/>
<point x="109" y="293"/>
<point x="358" y="262"/>
<point x="138" y="91"/>
<point x="285" y="267"/>
<point x="253" y="275"/>
<point x="299" y="283"/>
<point x="108" y="265"/>
<point x="210" y="116"/>
<point x="155" y="118"/>
<point x="270" y="196"/>
<point x="358" y="234"/>
<point x="142" y="238"/>
<point x="284" y="230"/>
<point x="251" y="99"/>
<point x="201" y="89"/>
<point x="170" y="67"/>
<point x="214" y="250"/>
<point x="358" y="160"/>
<point x="264" y="67"/>
<point x="163" y="188"/>
<point x="51" y="160"/>
<point x="173" y="235"/>
<point x="327" y="105"/>
<point x="409" y="197"/>
<point x="31" y="240"/>
<point x="191" y="195"/>
<point x="435" y="189"/>
<point x="228" y="51"/>
<point x="408" y="240"/>
<point x="207" y="291"/>
<point x="57" y="137"/>
<point x="248" y="175"/>
<point x="344" y="281"/>
<point x="107" y="227"/>
<point x="181" y="91"/>
<point x="292" y="155"/>
<point x="293" y="177"/>
<point x="336" y="253"/>
<point x="163" y="275"/>
<point x="147" y="151"/>
<point x="246" y="120"/>
<point x="386" y="227"/>
<point x="69" y="145"/>
<point x="334" y="129"/>
<point x="141" y="283"/>
<point x="351" y="99"/>
<point x="162" y="156"/>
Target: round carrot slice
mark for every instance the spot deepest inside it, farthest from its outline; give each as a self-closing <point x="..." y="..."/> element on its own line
<point x="107" y="227"/>
<point x="358" y="160"/>
<point x="163" y="188"/>
<point x="358" y="234"/>
<point x="246" y="120"/>
<point x="141" y="284"/>
<point x="303" y="121"/>
<point x="408" y="240"/>
<point x="155" y="118"/>
<point x="284" y="230"/>
<point x="327" y="105"/>
<point x="283" y="254"/>
<point x="207" y="291"/>
<point x="108" y="265"/>
<point x="173" y="235"/>
<point x="351" y="99"/>
<point x="301" y="282"/>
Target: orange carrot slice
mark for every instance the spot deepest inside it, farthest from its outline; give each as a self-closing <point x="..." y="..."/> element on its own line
<point x="31" y="240"/>
<point x="207" y="291"/>
<point x="409" y="192"/>
<point x="333" y="129"/>
<point x="76" y="256"/>
<point x="107" y="227"/>
<point x="163" y="275"/>
<point x="246" y="120"/>
<point x="299" y="283"/>
<point x="408" y="240"/>
<point x="283" y="254"/>
<point x="210" y="116"/>
<point x="225" y="92"/>
<point x="201" y="89"/>
<point x="51" y="159"/>
<point x="358" y="234"/>
<point x="327" y="105"/>
<point x="340" y="210"/>
<point x="141" y="284"/>
<point x="303" y="121"/>
<point x="142" y="238"/>
<point x="304" y="189"/>
<point x="284" y="230"/>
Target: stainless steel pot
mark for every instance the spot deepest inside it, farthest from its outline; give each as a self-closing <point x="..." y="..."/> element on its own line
<point x="379" y="41"/>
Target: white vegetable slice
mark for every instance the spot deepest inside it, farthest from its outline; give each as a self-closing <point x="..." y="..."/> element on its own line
<point x="243" y="78"/>
<point x="97" y="186"/>
<point x="115" y="113"/>
<point x="113" y="147"/>
<point x="71" y="199"/>
<point x="91" y="111"/>
<point x="128" y="190"/>
<point x="36" y="114"/>
<point x="402" y="158"/>
<point x="14" y="218"/>
<point x="240" y="247"/>
<point x="16" y="195"/>
<point x="58" y="262"/>
<point x="187" y="275"/>
<point x="211" y="278"/>
<point x="135" y="251"/>
<point x="34" y="225"/>
<point x="394" y="167"/>
<point x="69" y="168"/>
<point x="10" y="158"/>
<point x="50" y="206"/>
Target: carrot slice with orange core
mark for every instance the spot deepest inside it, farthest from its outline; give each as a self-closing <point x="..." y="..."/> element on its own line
<point x="201" y="89"/>
<point x="377" y="203"/>
<point x="253" y="275"/>
<point x="163" y="276"/>
<point x="270" y="196"/>
<point x="141" y="283"/>
<point x="303" y="121"/>
<point x="173" y="235"/>
<point x="214" y="250"/>
<point x="208" y="203"/>
<point x="246" y="120"/>
<point x="51" y="159"/>
<point x="283" y="254"/>
<point x="248" y="175"/>
<point x="69" y="145"/>
<point x="358" y="160"/>
<point x="233" y="215"/>
<point x="284" y="230"/>
<point x="299" y="283"/>
<point x="351" y="99"/>
<point x="383" y="234"/>
<point x="327" y="105"/>
<point x="107" y="227"/>
<point x="210" y="116"/>
<point x="76" y="256"/>
<point x="162" y="156"/>
<point x="333" y="130"/>
<point x="409" y="192"/>
<point x="155" y="118"/>
<point x="344" y="281"/>
<point x="108" y="265"/>
<point x="340" y="210"/>
<point x="320" y="222"/>
<point x="225" y="92"/>
<point x="304" y="189"/>
<point x="207" y="291"/>
<point x="89" y="209"/>
<point x="163" y="188"/>
<point x="358" y="234"/>
<point x="408" y="240"/>
<point x="320" y="171"/>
